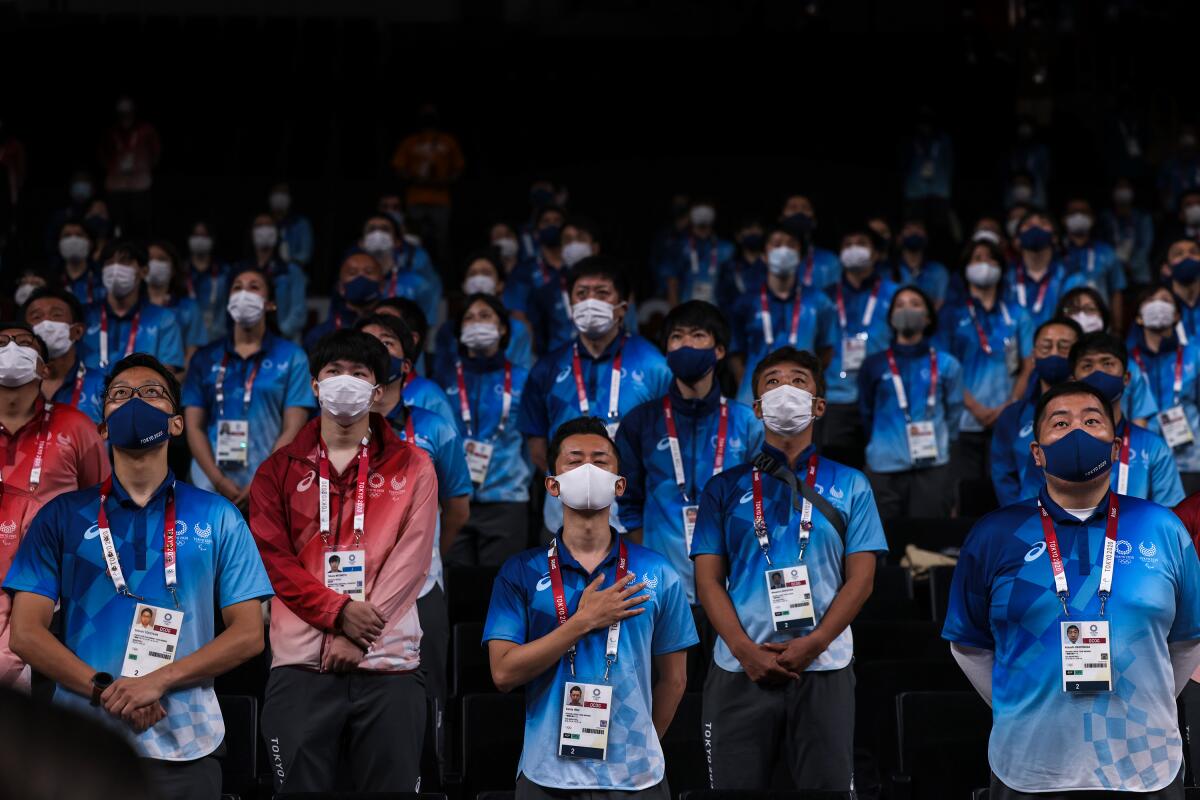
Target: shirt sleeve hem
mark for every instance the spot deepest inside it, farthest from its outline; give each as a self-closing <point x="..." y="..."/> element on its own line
<point x="675" y="647"/>
<point x="970" y="641"/>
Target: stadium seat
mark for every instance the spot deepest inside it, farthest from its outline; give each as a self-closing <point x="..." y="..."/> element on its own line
<point x="239" y="763"/>
<point x="718" y="794"/>
<point x="492" y="730"/>
<point x="892" y="597"/>
<point x="899" y="640"/>
<point x="468" y="592"/>
<point x="683" y="747"/>
<point x="469" y="669"/>
<point x="940" y="579"/>
<point x="943" y="741"/>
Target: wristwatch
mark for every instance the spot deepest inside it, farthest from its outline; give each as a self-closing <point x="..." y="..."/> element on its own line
<point x="100" y="682"/>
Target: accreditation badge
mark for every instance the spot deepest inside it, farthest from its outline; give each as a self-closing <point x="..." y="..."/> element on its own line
<point x="233" y="442"/>
<point x="586" y="714"/>
<point x="153" y="640"/>
<point x="346" y="572"/>
<point x="479" y="458"/>
<point x="854" y="352"/>
<point x="1175" y="427"/>
<point x="1012" y="359"/>
<point x="1086" y="656"/>
<point x="689" y="514"/>
<point x="922" y="441"/>
<point x="790" y="596"/>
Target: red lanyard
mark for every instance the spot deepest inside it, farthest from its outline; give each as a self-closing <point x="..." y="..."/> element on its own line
<point x="983" y="339"/>
<point x="768" y="327"/>
<point x="676" y="453"/>
<point x="133" y="329"/>
<point x="42" y="439"/>
<point x="247" y="387"/>
<point x="695" y="255"/>
<point x="1106" y="564"/>
<point x="1177" y="385"/>
<point x="464" y="405"/>
<point x="78" y="390"/>
<point x="560" y="600"/>
<point x="868" y="312"/>
<point x="1124" y="431"/>
<point x="898" y="383"/>
<point x="111" y="557"/>
<point x="360" y="492"/>
<point x="760" y="522"/>
<point x="410" y="377"/>
<point x="808" y="269"/>
<point x="1043" y="286"/>
<point x="614" y="386"/>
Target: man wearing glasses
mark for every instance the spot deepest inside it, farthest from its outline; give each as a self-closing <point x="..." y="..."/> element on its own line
<point x="142" y="540"/>
<point x="49" y="448"/>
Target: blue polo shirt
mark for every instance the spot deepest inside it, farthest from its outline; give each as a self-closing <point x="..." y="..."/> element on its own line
<point x="510" y="470"/>
<point x="190" y="322"/>
<point x="726" y="528"/>
<point x="817" y="328"/>
<point x="652" y="499"/>
<point x="708" y="257"/>
<point x="210" y="290"/>
<point x="1097" y="264"/>
<point x="290" y="284"/>
<point x="550" y="316"/>
<point x="91" y="394"/>
<point x="985" y="375"/>
<point x="737" y="278"/>
<point x="825" y="270"/>
<point x="218" y="565"/>
<point x="1002" y="599"/>
<point x="421" y="392"/>
<point x="519" y="350"/>
<point x="884" y="422"/>
<point x="158" y="334"/>
<point x="522" y="611"/>
<point x="1159" y="377"/>
<point x="841" y="385"/>
<point x="88" y="288"/>
<point x="1058" y="280"/>
<point x="529" y="274"/>
<point x="283" y="381"/>
<point x="933" y="279"/>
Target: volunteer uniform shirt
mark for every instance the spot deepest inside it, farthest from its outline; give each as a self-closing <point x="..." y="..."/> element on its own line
<point x="157" y="334"/>
<point x="1003" y="599"/>
<point x="339" y="317"/>
<point x="90" y="399"/>
<point x="1056" y="282"/>
<point x="282" y="381"/>
<point x="820" y="268"/>
<point x="726" y="528"/>
<point x="1152" y="471"/>
<point x="210" y="290"/>
<point x="519" y="350"/>
<point x="88" y="288"/>
<point x="291" y="295"/>
<point x="653" y="500"/>
<point x="816" y="327"/>
<point x="218" y="566"/>
<point x="527" y="276"/>
<point x="522" y="611"/>
<point x="1159" y="376"/>
<point x="550" y="316"/>
<point x="885" y="423"/>
<point x="697" y="266"/>
<point x="1099" y="267"/>
<point x="1008" y="331"/>
<point x="420" y="392"/>
<point x="187" y="318"/>
<point x="842" y="383"/>
<point x="510" y="470"/>
<point x="551" y="397"/>
<point x="933" y="279"/>
<point x="738" y="278"/>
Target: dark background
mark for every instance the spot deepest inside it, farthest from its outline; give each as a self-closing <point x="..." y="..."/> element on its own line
<point x="622" y="102"/>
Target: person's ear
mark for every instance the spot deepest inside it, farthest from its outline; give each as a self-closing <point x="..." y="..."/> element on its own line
<point x="1128" y="377"/>
<point x="720" y="351"/>
<point x="377" y="395"/>
<point x="76" y="331"/>
<point x="551" y="486"/>
<point x="619" y="486"/>
<point x="818" y="407"/>
<point x="758" y="408"/>
<point x="315" y="391"/>
<point x="1116" y="450"/>
<point x="1038" y="457"/>
<point x="270" y="306"/>
<point x="175" y="425"/>
<point x="102" y="429"/>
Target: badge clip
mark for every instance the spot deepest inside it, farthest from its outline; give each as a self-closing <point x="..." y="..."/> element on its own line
<point x="178" y="607"/>
<point x="1062" y="598"/>
<point x="607" y="668"/>
<point x="1103" y="600"/>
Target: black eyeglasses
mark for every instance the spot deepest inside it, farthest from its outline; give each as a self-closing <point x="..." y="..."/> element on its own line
<point x="22" y="339"/>
<point x="147" y="391"/>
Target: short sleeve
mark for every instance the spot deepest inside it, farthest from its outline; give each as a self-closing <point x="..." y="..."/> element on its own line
<point x="36" y="566"/>
<point x="298" y="392"/>
<point x="1186" y="626"/>
<point x="709" y="535"/>
<point x="193" y="384"/>
<point x="967" y="611"/>
<point x="864" y="534"/>
<point x="674" y="627"/>
<point x="534" y="416"/>
<point x="1141" y="401"/>
<point x="241" y="575"/>
<point x="454" y="479"/>
<point x="506" y="620"/>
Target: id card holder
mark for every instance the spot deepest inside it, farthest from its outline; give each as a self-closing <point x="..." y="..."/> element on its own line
<point x="586" y="715"/>
<point x="922" y="441"/>
<point x="233" y="442"/>
<point x="153" y="640"/>
<point x="1086" y="656"/>
<point x="790" y="595"/>
<point x="1175" y="427"/>
<point x="854" y="352"/>
<point x="1012" y="359"/>
<point x="479" y="458"/>
<point x="689" y="514"/>
<point x="346" y="572"/>
<point x="703" y="290"/>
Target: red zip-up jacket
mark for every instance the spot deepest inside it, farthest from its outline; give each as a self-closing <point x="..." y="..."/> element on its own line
<point x="401" y="516"/>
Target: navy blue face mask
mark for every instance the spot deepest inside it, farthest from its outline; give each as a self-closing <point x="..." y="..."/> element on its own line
<point x="1036" y="239"/>
<point x="690" y="364"/>
<point x="361" y="290"/>
<point x="753" y="242"/>
<point x="137" y="425"/>
<point x="396" y="370"/>
<point x="549" y="236"/>
<point x="1078" y="457"/>
<point x="1053" y="369"/>
<point x="1111" y="386"/>
<point x="1186" y="271"/>
<point x="914" y="241"/>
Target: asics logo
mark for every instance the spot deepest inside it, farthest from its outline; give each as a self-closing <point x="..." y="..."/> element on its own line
<point x="1035" y="551"/>
<point x="747" y="497"/>
<point x="306" y="481"/>
<point x="1026" y="430"/>
<point x="562" y="376"/>
<point x="544" y="583"/>
<point x="664" y="443"/>
<point x="92" y="532"/>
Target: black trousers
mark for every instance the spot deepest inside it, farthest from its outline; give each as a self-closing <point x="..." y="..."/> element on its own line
<point x="379" y="718"/>
<point x="494" y="532"/>
<point x="184" y="780"/>
<point x="808" y="723"/>
<point x="528" y="790"/>
<point x="699" y="658"/>
<point x="927" y="492"/>
<point x="435" y="645"/>
<point x="1173" y="791"/>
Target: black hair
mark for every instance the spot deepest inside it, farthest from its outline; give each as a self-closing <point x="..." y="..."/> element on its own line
<point x="696" y="314"/>
<point x="496" y="306"/>
<point x="1091" y="294"/>
<point x="126" y="248"/>
<point x="546" y="209"/>
<point x="41" y="346"/>
<point x="1098" y="342"/>
<point x="930" y="311"/>
<point x="580" y="426"/>
<point x="790" y="355"/>
<point x="383" y="216"/>
<point x="57" y="294"/>
<point x="1037" y="211"/>
<point x="1148" y="291"/>
<point x="995" y="252"/>
<point x="397" y="326"/>
<point x="355" y="347"/>
<point x="599" y="267"/>
<point x="412" y="315"/>
<point x="792" y="230"/>
<point x="149" y="362"/>
<point x="585" y="224"/>
<point x="178" y="285"/>
<point x="488" y="254"/>
<point x="76" y="223"/>
<point x="1066" y="322"/>
<point x="1065" y="389"/>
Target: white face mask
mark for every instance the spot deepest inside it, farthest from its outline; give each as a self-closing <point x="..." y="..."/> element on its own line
<point x="787" y="410"/>
<point x="265" y="236"/>
<point x="18" y="365"/>
<point x="986" y="235"/>
<point x="856" y="256"/>
<point x="120" y="279"/>
<point x="159" y="274"/>
<point x="575" y="252"/>
<point x="479" y="335"/>
<point x="1157" y="314"/>
<point x="246" y="308"/>
<point x="593" y="317"/>
<point x="983" y="273"/>
<point x="200" y="245"/>
<point x="703" y="215"/>
<point x="1191" y="215"/>
<point x="587" y="488"/>
<point x="345" y="397"/>
<point x="1021" y="193"/>
<point x="279" y="202"/>
<point x="73" y="248"/>
<point x="56" y="335"/>
<point x="479" y="284"/>
<point x="23" y="292"/>
<point x="1089" y="321"/>
<point x="782" y="261"/>
<point x="1078" y="223"/>
<point x="378" y="242"/>
<point x="507" y="246"/>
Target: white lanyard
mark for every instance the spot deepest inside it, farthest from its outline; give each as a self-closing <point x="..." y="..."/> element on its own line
<point x="676" y="453"/>
<point x="760" y="523"/>
<point x="1106" y="564"/>
<point x="360" y="493"/>
<point x="560" y="602"/>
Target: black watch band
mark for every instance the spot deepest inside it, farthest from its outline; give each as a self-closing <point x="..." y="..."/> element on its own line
<point x="100" y="682"/>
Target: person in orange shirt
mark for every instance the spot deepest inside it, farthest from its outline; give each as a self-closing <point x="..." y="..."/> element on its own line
<point x="45" y="449"/>
<point x="428" y="162"/>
